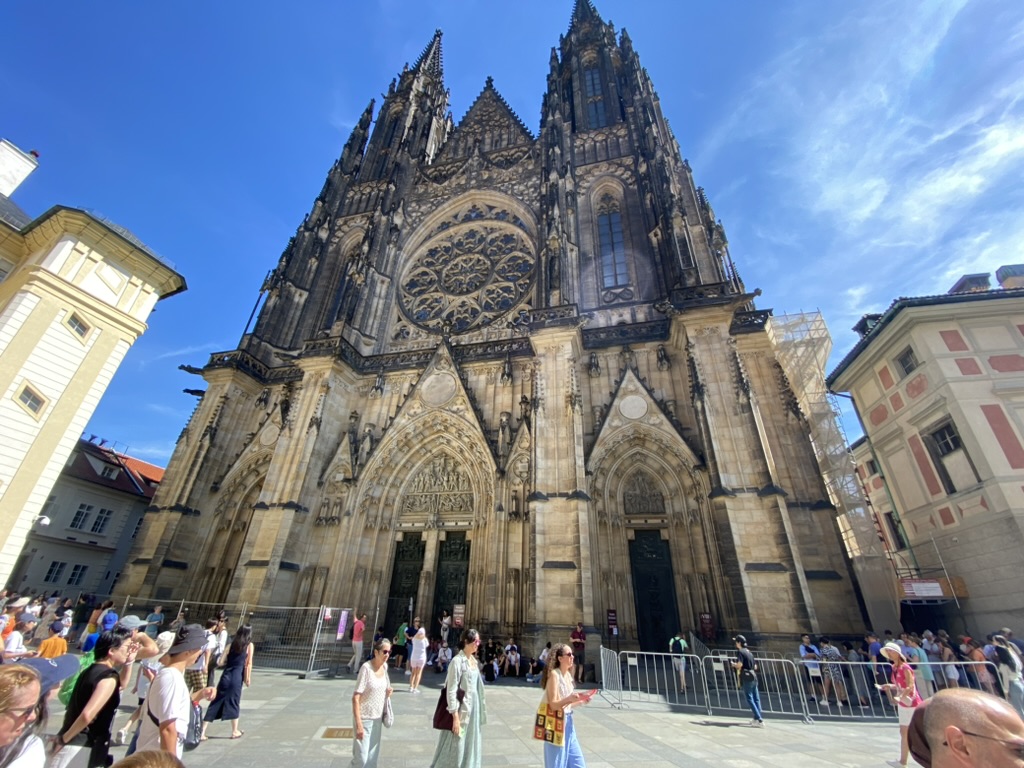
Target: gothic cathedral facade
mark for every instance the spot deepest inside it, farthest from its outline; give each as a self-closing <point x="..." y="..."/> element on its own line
<point x="512" y="372"/>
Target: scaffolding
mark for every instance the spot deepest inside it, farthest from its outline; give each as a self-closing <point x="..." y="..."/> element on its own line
<point x="802" y="346"/>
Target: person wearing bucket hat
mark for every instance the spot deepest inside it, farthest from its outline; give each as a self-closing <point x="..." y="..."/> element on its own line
<point x="168" y="703"/>
<point x="148" y="670"/>
<point x="903" y="694"/>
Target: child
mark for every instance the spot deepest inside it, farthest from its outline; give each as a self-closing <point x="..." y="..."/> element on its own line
<point x="54" y="645"/>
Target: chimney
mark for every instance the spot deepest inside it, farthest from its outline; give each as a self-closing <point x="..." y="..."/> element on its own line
<point x="1010" y="276"/>
<point x="972" y="284"/>
<point x="15" y="166"/>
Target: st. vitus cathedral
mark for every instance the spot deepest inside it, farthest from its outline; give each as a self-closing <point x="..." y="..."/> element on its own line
<point x="512" y="372"/>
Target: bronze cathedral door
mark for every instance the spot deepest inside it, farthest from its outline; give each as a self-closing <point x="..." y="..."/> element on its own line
<point x="405" y="580"/>
<point x="654" y="592"/>
<point x="452" y="576"/>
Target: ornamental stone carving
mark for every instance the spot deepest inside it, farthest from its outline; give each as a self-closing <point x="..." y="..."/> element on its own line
<point x="467" y="277"/>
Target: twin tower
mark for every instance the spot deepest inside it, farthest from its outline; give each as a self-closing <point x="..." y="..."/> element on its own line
<point x="517" y="374"/>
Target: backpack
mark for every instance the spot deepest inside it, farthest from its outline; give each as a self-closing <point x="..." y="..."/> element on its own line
<point x="194" y="731"/>
<point x="68" y="686"/>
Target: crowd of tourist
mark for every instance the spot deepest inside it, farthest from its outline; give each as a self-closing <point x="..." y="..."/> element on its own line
<point x="176" y="669"/>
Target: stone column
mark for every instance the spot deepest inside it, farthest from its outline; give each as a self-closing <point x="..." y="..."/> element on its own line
<point x="563" y="581"/>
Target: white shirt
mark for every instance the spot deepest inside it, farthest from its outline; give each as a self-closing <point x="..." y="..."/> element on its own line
<point x="32" y="755"/>
<point x="168" y="699"/>
<point x="15" y="643"/>
<point x="211" y="647"/>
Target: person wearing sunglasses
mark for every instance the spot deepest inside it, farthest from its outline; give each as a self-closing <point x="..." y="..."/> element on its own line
<point x="462" y="746"/>
<point x="966" y="728"/>
<point x="19" y="696"/>
<point x="373" y="689"/>
<point x="560" y="692"/>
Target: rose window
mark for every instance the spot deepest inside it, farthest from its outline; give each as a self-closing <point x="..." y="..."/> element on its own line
<point x="467" y="278"/>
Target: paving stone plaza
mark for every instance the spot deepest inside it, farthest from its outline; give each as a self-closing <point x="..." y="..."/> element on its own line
<point x="289" y="721"/>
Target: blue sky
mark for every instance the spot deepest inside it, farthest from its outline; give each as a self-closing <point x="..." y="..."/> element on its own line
<point x="856" y="152"/>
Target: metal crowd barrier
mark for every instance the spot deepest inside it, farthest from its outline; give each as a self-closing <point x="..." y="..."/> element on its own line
<point x="846" y="689"/>
<point x="786" y="688"/>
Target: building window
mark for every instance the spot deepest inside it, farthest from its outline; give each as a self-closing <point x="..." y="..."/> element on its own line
<point x="138" y="527"/>
<point x="895" y="532"/>
<point x="81" y="517"/>
<point x="31" y="400"/>
<point x="99" y="525"/>
<point x="613" y="251"/>
<point x="906" y="361"/>
<point x="78" y="326"/>
<point x="55" y="571"/>
<point x="6" y="267"/>
<point x="872" y="467"/>
<point x="596" y="117"/>
<point x="109" y="472"/>
<point x="954" y="467"/>
<point x="946" y="439"/>
<point x="77" y="574"/>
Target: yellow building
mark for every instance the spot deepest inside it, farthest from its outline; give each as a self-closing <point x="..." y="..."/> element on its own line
<point x="75" y="293"/>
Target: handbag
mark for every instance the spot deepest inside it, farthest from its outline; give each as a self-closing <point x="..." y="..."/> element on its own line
<point x="549" y="725"/>
<point x="388" y="718"/>
<point x="443" y="720"/>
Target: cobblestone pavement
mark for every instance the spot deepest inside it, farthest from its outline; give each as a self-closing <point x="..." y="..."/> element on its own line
<point x="289" y="722"/>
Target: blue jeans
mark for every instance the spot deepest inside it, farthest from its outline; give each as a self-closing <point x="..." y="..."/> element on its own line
<point x="753" y="698"/>
<point x="569" y="755"/>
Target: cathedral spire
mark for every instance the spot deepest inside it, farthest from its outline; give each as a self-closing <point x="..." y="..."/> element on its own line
<point x="431" y="61"/>
<point x="584" y="11"/>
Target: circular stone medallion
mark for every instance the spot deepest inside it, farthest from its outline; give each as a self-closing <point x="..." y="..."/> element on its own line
<point x="438" y="389"/>
<point x="633" y="407"/>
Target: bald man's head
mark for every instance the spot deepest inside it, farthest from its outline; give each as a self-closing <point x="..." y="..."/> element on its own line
<point x="972" y="729"/>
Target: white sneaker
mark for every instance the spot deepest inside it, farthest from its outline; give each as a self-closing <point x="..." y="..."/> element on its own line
<point x="408" y="673"/>
<point x="757" y="723"/>
<point x="120" y="737"/>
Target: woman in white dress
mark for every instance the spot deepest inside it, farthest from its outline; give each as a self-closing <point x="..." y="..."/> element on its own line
<point x="373" y="689"/>
<point x="418" y="659"/>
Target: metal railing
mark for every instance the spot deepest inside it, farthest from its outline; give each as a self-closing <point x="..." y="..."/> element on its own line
<point x="787" y="688"/>
<point x="285" y="637"/>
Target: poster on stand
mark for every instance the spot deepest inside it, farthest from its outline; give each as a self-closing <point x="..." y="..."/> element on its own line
<point x="343" y="623"/>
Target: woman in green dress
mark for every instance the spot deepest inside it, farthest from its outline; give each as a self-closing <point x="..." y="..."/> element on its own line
<point x="462" y="747"/>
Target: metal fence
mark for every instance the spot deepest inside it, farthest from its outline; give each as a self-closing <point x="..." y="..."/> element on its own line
<point x="788" y="688"/>
<point x="285" y="637"/>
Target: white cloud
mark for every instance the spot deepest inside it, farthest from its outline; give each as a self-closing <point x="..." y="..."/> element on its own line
<point x="898" y="135"/>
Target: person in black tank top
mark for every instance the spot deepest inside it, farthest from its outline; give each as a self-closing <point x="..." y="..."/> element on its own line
<point x="94" y="702"/>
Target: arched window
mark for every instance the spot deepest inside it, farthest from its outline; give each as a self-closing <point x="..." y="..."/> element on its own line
<point x="611" y="243"/>
<point x="596" y="117"/>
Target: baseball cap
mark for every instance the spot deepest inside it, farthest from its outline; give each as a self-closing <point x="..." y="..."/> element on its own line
<point x="57" y="626"/>
<point x="52" y="672"/>
<point x="26" y="617"/>
<point x="132" y="622"/>
<point x="190" y="637"/>
<point x="740" y="639"/>
<point x="21" y="602"/>
<point x="109" y="620"/>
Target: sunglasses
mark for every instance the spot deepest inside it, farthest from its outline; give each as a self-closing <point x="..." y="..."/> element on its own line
<point x="384" y="653"/>
<point x="21" y="714"/>
<point x="1015" y="746"/>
